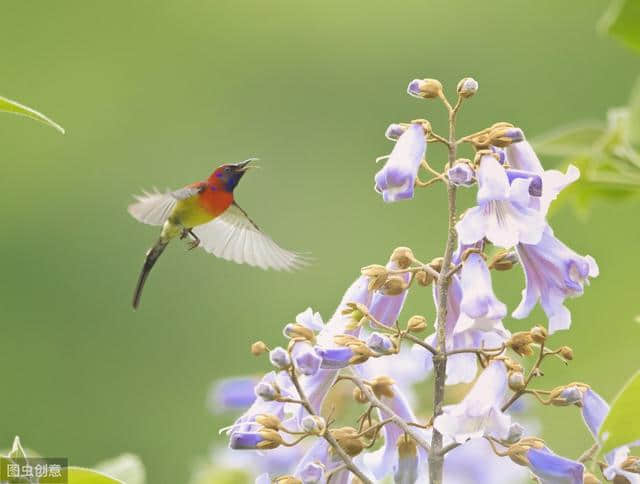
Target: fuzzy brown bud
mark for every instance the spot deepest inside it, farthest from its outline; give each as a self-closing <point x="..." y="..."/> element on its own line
<point x="423" y="278"/>
<point x="382" y="386"/>
<point x="268" y="421"/>
<point x="403" y="257"/>
<point x="347" y="438"/>
<point x="436" y="264"/>
<point x="589" y="478"/>
<point x="359" y="396"/>
<point x="298" y="331"/>
<point x="393" y="286"/>
<point x="377" y="275"/>
<point x="538" y="334"/>
<point x="417" y="323"/>
<point x="272" y="439"/>
<point x="258" y="348"/>
<point x="503" y="261"/>
<point x="425" y="88"/>
<point x="631" y="464"/>
<point x="566" y="353"/>
<point x="521" y="343"/>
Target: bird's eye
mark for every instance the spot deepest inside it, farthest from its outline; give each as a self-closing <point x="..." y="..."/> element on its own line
<point x="227" y="169"/>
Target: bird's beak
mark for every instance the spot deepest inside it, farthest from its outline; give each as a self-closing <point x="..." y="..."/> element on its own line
<point x="244" y="165"/>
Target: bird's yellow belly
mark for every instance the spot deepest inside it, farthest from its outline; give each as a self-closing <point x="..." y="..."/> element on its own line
<point x="189" y="213"/>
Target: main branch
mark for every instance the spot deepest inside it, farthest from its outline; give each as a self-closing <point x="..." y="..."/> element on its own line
<point x="436" y="458"/>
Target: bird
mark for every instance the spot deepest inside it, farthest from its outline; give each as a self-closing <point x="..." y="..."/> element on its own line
<point x="207" y="213"/>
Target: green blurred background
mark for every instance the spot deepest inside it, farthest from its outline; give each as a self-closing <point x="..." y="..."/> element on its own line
<point x="157" y="93"/>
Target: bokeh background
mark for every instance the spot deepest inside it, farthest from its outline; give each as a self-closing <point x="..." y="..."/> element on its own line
<point x="158" y="93"/>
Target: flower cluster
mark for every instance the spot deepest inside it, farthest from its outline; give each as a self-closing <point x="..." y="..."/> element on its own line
<point x="368" y="356"/>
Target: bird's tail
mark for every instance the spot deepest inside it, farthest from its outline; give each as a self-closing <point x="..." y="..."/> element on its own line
<point x="152" y="256"/>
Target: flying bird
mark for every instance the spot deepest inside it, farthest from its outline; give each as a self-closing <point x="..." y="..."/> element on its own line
<point x="207" y="213"/>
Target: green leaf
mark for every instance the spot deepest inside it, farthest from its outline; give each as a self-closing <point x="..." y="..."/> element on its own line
<point x="622" y="426"/>
<point x="570" y="140"/>
<point x="126" y="467"/>
<point x="80" y="475"/>
<point x="14" y="107"/>
<point x="621" y="21"/>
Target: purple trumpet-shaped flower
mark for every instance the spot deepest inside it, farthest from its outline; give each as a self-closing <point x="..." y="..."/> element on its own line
<point x="246" y="440"/>
<point x="312" y="473"/>
<point x="503" y="214"/>
<point x="394" y="131"/>
<point x="616" y="461"/>
<point x="305" y="359"/>
<point x="407" y="468"/>
<point x="320" y="457"/>
<point x="521" y="156"/>
<point x="397" y="178"/>
<point x="479" y="413"/>
<point x="232" y="394"/>
<point x="550" y="468"/>
<point x="310" y="320"/>
<point x="553" y="272"/>
<point x="479" y="307"/>
<point x="380" y="343"/>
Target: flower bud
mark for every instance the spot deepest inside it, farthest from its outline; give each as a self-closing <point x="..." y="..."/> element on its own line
<point x="589" y="478"/>
<point x="312" y="473"/>
<point x="268" y="421"/>
<point x="516" y="431"/>
<point x="258" y="348"/>
<point x="513" y="365"/>
<point x="538" y="334"/>
<point x="467" y="87"/>
<point x="266" y="391"/>
<point x="287" y="480"/>
<point x="436" y="264"/>
<point x="516" y="380"/>
<point x="347" y="438"/>
<point x="417" y="323"/>
<point x="631" y="464"/>
<point x="566" y="395"/>
<point x="504" y="136"/>
<point x="377" y="274"/>
<point x="359" y="396"/>
<point x="423" y="278"/>
<point x="393" y="286"/>
<point x="566" y="353"/>
<point x="394" y="131"/>
<point x="280" y="358"/>
<point x="503" y="260"/>
<point x="425" y="88"/>
<point x="314" y="424"/>
<point x="262" y="439"/>
<point x="461" y="174"/>
<point x="521" y="343"/>
<point x="297" y="330"/>
<point x="382" y="386"/>
<point x="403" y="257"/>
<point x="380" y="343"/>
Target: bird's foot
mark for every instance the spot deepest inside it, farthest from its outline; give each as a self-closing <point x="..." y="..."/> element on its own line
<point x="192" y="244"/>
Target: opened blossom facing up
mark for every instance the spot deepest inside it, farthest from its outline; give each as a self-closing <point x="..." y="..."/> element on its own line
<point x="503" y="214"/>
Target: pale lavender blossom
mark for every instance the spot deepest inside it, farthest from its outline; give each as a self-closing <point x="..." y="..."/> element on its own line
<point x="384" y="308"/>
<point x="394" y="131"/>
<point x="319" y="456"/>
<point x="310" y="319"/>
<point x="553" y="273"/>
<point x="380" y="343"/>
<point x="396" y="180"/>
<point x="246" y="440"/>
<point x="334" y="358"/>
<point x="479" y="307"/>
<point x="479" y="413"/>
<point x="521" y="156"/>
<point x="614" y="469"/>
<point x="550" y="468"/>
<point x="503" y="214"/>
<point x="279" y="357"/>
<point x="461" y="174"/>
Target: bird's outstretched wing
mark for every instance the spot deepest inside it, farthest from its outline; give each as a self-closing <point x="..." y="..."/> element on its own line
<point x="154" y="207"/>
<point x="234" y="236"/>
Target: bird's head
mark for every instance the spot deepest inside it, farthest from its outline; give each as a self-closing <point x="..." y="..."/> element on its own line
<point x="228" y="175"/>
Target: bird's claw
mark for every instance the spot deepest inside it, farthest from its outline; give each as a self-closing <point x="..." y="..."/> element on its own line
<point x="192" y="244"/>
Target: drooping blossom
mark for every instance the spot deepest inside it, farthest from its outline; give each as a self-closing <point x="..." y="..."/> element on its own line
<point x="550" y="468"/>
<point x="503" y="214"/>
<point x="395" y="181"/>
<point x="521" y="156"/>
<point x="553" y="273"/>
<point x="479" y="413"/>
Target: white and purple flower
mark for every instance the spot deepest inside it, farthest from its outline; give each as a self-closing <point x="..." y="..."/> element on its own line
<point x="553" y="273"/>
<point x="396" y="180"/>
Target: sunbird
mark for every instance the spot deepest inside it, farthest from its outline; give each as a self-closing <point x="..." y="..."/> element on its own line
<point x="207" y="212"/>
